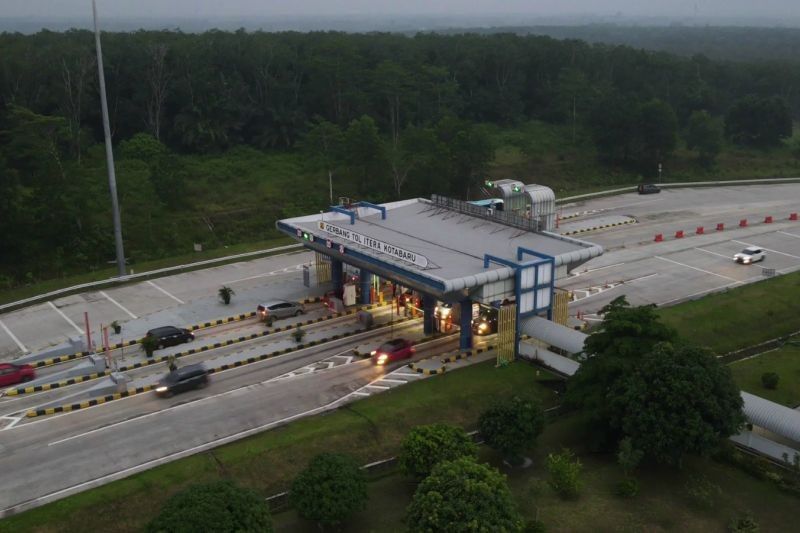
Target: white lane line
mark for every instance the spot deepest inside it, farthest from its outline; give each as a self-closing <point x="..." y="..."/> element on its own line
<point x="695" y="268"/>
<point x="265" y="275"/>
<point x="789" y="234"/>
<point x="14" y="421"/>
<point x="600" y="268"/>
<point x="406" y="375"/>
<point x="394" y="380"/>
<point x="13" y="337"/>
<point x="113" y="301"/>
<point x="359" y="393"/>
<point x="65" y="317"/>
<point x="379" y="387"/>
<point x="714" y="253"/>
<point x="771" y="251"/>
<point x="165" y="292"/>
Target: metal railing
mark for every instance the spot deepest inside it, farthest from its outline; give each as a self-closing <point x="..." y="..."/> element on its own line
<point x="493" y="215"/>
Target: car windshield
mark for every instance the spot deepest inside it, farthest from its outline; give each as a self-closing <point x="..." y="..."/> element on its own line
<point x="390" y="346"/>
<point x="750" y="251"/>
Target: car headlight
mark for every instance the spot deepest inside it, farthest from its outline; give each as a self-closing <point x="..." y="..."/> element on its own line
<point x="373" y="352"/>
<point x="382" y="358"/>
<point x="162" y="388"/>
<point x="482" y="326"/>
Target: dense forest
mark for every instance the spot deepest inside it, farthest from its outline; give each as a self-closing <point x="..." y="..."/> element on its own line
<point x="380" y="115"/>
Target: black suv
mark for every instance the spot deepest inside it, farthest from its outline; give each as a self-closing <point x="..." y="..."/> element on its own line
<point x="183" y="379"/>
<point x="648" y="188"/>
<point x="170" y="336"/>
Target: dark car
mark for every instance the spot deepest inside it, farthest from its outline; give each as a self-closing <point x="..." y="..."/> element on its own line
<point x="170" y="336"/>
<point x="183" y="379"/>
<point x="648" y="188"/>
<point x="393" y="350"/>
<point x="485" y="324"/>
<point x="11" y="374"/>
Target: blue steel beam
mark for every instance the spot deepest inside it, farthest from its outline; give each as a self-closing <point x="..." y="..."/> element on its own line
<point x="374" y="206"/>
<point x="344" y="211"/>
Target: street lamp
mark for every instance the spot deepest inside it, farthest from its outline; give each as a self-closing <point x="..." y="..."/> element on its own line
<point x="112" y="178"/>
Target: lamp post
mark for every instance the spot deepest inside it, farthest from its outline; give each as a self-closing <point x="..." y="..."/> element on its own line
<point x="112" y="178"/>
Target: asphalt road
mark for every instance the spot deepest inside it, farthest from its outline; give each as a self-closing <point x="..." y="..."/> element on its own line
<point x="56" y="456"/>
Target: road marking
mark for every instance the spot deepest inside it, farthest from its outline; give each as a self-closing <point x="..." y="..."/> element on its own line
<point x="695" y="268"/>
<point x="65" y="317"/>
<point x="359" y="393"/>
<point x="266" y="274"/>
<point x="113" y="301"/>
<point x="379" y="387"/>
<point x="789" y="234"/>
<point x="405" y="375"/>
<point x="596" y="269"/>
<point x="13" y="337"/>
<point x="14" y="421"/>
<point x="394" y="380"/>
<point x="715" y="253"/>
<point x="165" y="292"/>
<point x="689" y="297"/>
<point x="772" y="251"/>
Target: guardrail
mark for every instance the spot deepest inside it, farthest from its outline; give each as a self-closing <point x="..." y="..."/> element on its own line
<point x="142" y="275"/>
<point x="678" y="184"/>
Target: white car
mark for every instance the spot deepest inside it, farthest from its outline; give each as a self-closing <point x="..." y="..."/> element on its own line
<point x="751" y="254"/>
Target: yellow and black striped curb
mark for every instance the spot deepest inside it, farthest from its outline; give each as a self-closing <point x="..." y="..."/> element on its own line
<point x="49" y="386"/>
<point x="594" y="228"/>
<point x="236" y="364"/>
<point x="576" y="215"/>
<point x="426" y="371"/>
<point x="452" y="358"/>
<point x="77" y="355"/>
<point x="88" y="403"/>
<point x="219" y="321"/>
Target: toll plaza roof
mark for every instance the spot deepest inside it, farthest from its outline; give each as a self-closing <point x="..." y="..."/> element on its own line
<point x="438" y="249"/>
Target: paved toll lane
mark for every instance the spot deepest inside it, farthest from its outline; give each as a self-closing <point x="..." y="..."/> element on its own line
<point x="99" y="308"/>
<point x="37" y="327"/>
<point x="141" y="298"/>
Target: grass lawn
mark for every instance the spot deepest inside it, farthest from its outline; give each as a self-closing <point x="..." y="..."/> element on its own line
<point x="739" y="317"/>
<point x="370" y="429"/>
<point x="43" y="287"/>
<point x="785" y="362"/>
<point x="661" y="505"/>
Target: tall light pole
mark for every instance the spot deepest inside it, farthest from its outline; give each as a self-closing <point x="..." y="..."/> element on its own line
<point x="112" y="178"/>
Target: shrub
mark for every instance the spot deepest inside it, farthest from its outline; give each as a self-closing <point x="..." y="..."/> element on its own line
<point x="219" y="506"/>
<point x="565" y="471"/>
<point x="628" y="487"/>
<point x="225" y="294"/>
<point x="298" y="335"/>
<point x="743" y="524"/>
<point x="702" y="492"/>
<point x="512" y="427"/>
<point x="329" y="490"/>
<point x="463" y="495"/>
<point x="426" y="446"/>
<point x="770" y="380"/>
<point x="534" y="526"/>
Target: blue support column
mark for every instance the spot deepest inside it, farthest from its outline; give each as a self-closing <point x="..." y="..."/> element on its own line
<point x="365" y="277"/>
<point x="465" y="338"/>
<point x="429" y="309"/>
<point x="336" y="274"/>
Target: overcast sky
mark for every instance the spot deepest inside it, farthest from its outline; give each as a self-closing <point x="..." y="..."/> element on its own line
<point x="238" y="8"/>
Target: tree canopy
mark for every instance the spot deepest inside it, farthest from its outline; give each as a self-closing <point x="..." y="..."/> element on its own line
<point x="426" y="446"/>
<point x="219" y="506"/>
<point x="512" y="427"/>
<point x="329" y="490"/>
<point x="461" y="496"/>
<point x="639" y="380"/>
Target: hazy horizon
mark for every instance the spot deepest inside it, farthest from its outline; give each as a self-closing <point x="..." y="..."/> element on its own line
<point x="546" y="8"/>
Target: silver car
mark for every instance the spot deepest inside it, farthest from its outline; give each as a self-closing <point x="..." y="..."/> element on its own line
<point x="751" y="254"/>
<point x="279" y="309"/>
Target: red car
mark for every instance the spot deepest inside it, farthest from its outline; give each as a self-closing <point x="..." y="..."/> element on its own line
<point x="12" y="374"/>
<point x="393" y="350"/>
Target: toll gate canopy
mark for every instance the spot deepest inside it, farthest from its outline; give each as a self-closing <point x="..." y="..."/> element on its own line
<point x="443" y="247"/>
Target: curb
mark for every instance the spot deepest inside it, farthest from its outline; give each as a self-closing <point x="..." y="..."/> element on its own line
<point x="163" y="359"/>
<point x="56" y="385"/>
<point x="465" y="354"/>
<point x="594" y="228"/>
<point x="138" y="390"/>
<point x="88" y="403"/>
<point x="426" y="371"/>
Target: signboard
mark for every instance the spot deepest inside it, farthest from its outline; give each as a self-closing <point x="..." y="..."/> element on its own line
<point x="375" y="244"/>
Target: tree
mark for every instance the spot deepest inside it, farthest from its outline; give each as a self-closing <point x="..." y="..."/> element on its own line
<point x="463" y="495"/>
<point x="426" y="446"/>
<point x="760" y="122"/>
<point x="612" y="125"/>
<point x="677" y="400"/>
<point x="220" y="506"/>
<point x="329" y="490"/>
<point x="704" y="134"/>
<point x="512" y="427"/>
<point x="657" y="132"/>
<point x="769" y="380"/>
<point x="364" y="155"/>
<point x="564" y="471"/>
<point x="322" y="146"/>
<point x="625" y="336"/>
